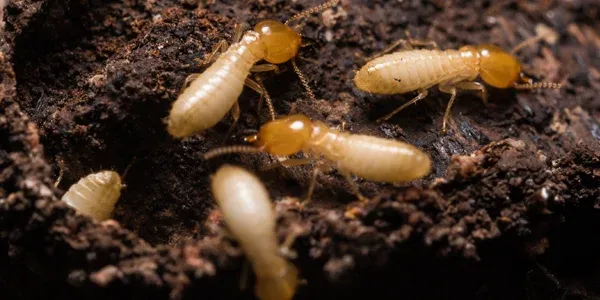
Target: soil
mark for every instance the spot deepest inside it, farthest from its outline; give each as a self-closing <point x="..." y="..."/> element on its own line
<point x="509" y="211"/>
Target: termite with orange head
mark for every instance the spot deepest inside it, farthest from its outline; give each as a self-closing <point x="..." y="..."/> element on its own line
<point x="248" y="213"/>
<point x="215" y="92"/>
<point x="451" y="70"/>
<point x="372" y="158"/>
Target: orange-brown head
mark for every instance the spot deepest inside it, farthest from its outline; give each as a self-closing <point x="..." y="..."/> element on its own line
<point x="497" y="67"/>
<point x="284" y="136"/>
<point x="281" y="41"/>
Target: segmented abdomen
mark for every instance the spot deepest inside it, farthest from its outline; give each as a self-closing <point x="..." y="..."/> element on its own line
<point x="378" y="159"/>
<point x="210" y="96"/>
<point x="95" y="195"/>
<point x="410" y="70"/>
<point x="247" y="210"/>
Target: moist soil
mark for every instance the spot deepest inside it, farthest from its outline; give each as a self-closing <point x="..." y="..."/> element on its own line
<point x="509" y="211"/>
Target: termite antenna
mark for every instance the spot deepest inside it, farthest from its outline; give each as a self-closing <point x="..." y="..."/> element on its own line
<point x="537" y="85"/>
<point x="530" y="42"/>
<point x="127" y="168"/>
<point x="267" y="98"/>
<point x="230" y="149"/>
<point x="526" y="43"/>
<point x="312" y="10"/>
<point x="303" y="80"/>
<point x="542" y="32"/>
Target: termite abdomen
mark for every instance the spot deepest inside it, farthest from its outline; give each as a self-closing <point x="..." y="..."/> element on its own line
<point x="95" y="195"/>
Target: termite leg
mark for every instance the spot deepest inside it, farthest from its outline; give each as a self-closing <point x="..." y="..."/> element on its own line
<point x="354" y="187"/>
<point x="419" y="43"/>
<point x="291" y="162"/>
<point x="286" y="247"/>
<point x="188" y="80"/>
<point x="238" y="31"/>
<point x="408" y="44"/>
<point x="298" y="27"/>
<point x="235" y="115"/>
<point x="422" y="94"/>
<point x="219" y="48"/>
<point x="60" y="176"/>
<point x="222" y="45"/>
<point x="310" y="60"/>
<point x="387" y="50"/>
<point x="305" y="44"/>
<point x="452" y="90"/>
<point x="313" y="183"/>
<point x="474" y="86"/>
<point x="448" y="89"/>
<point x="264" y="68"/>
<point x="61" y="172"/>
<point x="258" y="87"/>
<point x="294" y="162"/>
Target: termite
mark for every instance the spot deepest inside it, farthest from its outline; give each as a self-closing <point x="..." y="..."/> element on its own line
<point x="451" y="70"/>
<point x="215" y="92"/>
<point x="369" y="157"/>
<point x="248" y="214"/>
<point x="95" y="195"/>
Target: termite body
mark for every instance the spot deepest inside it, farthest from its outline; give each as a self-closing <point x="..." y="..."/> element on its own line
<point x="215" y="91"/>
<point x="248" y="213"/>
<point x="95" y="195"/>
<point x="369" y="157"/>
<point x="451" y="70"/>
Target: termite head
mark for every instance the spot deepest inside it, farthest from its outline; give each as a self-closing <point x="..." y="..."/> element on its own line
<point x="284" y="136"/>
<point x="110" y="178"/>
<point x="498" y="68"/>
<point x="281" y="41"/>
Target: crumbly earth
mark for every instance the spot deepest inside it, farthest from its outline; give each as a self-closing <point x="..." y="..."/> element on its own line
<point x="510" y="210"/>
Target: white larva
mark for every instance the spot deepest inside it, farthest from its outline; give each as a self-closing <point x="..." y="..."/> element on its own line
<point x="248" y="213"/>
<point x="95" y="195"/>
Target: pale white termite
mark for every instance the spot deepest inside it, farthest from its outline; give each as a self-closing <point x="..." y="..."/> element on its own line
<point x="370" y="157"/>
<point x="248" y="213"/>
<point x="214" y="92"/>
<point x="451" y="70"/>
<point x="95" y="195"/>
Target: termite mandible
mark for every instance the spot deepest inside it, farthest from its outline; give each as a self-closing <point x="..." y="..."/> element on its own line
<point x="214" y="92"/>
<point x="372" y="158"/>
<point x="451" y="70"/>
